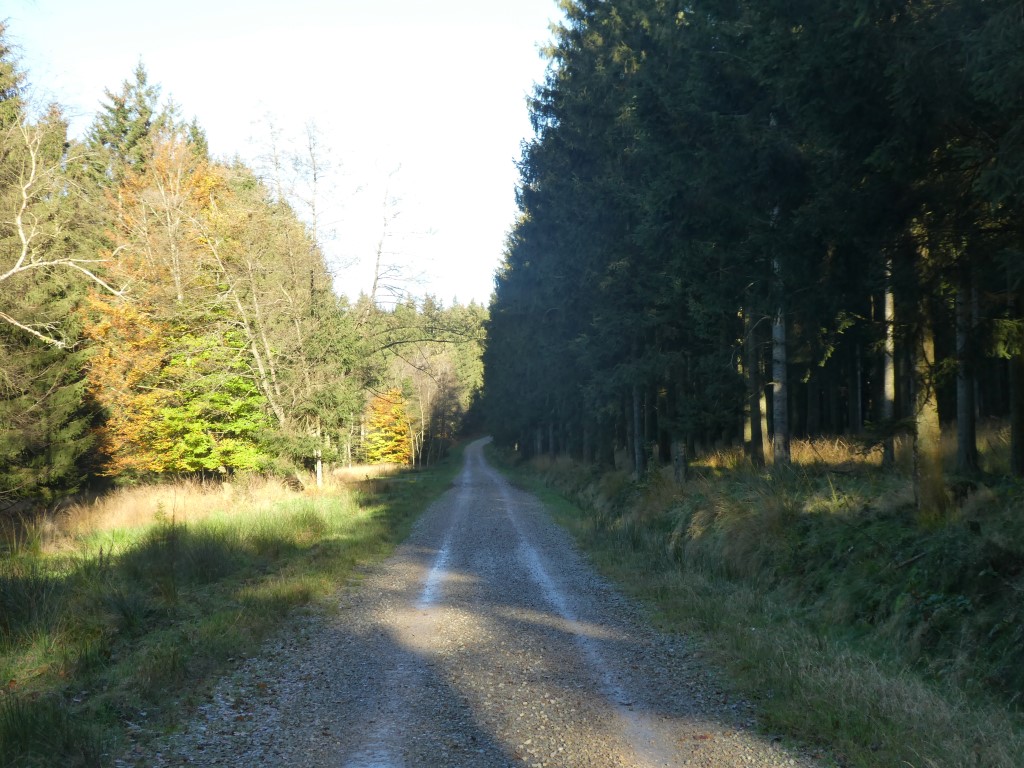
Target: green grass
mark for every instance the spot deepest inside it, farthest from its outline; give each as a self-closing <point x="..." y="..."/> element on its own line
<point x="130" y="626"/>
<point x="824" y="601"/>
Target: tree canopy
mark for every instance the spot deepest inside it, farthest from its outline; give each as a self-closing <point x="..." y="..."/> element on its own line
<point x="165" y="312"/>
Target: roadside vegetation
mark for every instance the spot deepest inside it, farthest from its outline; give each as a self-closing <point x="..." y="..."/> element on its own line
<point x="115" y="616"/>
<point x="819" y="591"/>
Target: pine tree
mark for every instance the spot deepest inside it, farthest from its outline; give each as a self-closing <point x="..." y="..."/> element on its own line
<point x="121" y="134"/>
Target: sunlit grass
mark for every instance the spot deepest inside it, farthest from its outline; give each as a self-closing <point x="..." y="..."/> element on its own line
<point x="135" y="602"/>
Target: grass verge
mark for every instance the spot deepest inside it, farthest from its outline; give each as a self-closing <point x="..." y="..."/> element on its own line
<point x="823" y="599"/>
<point x="115" y="628"/>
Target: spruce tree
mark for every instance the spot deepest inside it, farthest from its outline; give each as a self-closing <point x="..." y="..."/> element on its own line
<point x="45" y="418"/>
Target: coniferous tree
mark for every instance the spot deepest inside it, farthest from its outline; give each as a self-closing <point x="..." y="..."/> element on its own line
<point x="701" y="172"/>
<point x="121" y="134"/>
<point x="44" y="417"/>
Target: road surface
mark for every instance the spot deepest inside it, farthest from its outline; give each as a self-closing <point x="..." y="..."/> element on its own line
<point x="486" y="640"/>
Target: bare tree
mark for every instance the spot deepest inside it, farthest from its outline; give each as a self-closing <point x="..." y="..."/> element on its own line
<point x="386" y="274"/>
<point x="32" y="186"/>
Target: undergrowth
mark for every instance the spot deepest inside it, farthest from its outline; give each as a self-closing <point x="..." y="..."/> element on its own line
<point x="830" y="606"/>
<point x="110" y="630"/>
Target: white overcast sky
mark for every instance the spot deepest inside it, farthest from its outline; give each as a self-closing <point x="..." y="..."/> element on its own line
<point x="433" y="88"/>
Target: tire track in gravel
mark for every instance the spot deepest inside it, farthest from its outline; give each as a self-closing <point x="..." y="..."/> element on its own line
<point x="381" y="750"/>
<point x="486" y="640"/>
<point x="647" y="749"/>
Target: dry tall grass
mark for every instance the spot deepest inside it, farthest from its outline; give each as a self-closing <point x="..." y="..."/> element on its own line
<point x="832" y="544"/>
<point x="360" y="472"/>
<point x="815" y="558"/>
<point x="184" y="501"/>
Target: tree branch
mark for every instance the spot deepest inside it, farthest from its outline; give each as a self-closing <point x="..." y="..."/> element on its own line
<point x="42" y="336"/>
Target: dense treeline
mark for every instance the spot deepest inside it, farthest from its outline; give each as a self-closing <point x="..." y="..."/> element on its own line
<point x="751" y="220"/>
<point x="165" y="313"/>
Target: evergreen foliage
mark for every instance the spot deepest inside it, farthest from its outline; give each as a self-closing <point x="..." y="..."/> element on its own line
<point x="45" y="420"/>
<point x="717" y="200"/>
<point x="121" y="133"/>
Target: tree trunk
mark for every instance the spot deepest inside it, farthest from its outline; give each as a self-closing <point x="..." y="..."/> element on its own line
<point x="889" y="373"/>
<point x="349" y="439"/>
<point x="766" y="440"/>
<point x="855" y="398"/>
<point x="979" y="401"/>
<point x="780" y="392"/>
<point x="1016" y="305"/>
<point x="680" y="461"/>
<point x="929" y="485"/>
<point x="966" y="426"/>
<point x="318" y="455"/>
<point x="752" y="425"/>
<point x="423" y="426"/>
<point x="638" y="433"/>
<point x="605" y="448"/>
<point x="1017" y="414"/>
<point x="651" y="425"/>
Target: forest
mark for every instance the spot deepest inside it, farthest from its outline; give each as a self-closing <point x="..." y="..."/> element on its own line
<point x="168" y="314"/>
<point x="759" y="331"/>
<point x="754" y="221"/>
<point x="759" y="337"/>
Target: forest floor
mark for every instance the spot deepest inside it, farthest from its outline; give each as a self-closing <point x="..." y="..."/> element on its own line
<point x="485" y="640"/>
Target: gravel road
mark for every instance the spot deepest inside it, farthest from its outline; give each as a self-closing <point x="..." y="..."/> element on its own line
<point x="486" y="640"/>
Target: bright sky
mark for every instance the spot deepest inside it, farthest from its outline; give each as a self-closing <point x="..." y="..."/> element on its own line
<point x="422" y="101"/>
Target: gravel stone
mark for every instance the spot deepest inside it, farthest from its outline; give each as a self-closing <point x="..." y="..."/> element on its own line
<point x="485" y="640"/>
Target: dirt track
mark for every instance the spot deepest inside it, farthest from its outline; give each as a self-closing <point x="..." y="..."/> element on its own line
<point x="486" y="640"/>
